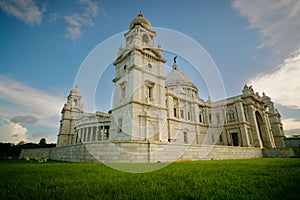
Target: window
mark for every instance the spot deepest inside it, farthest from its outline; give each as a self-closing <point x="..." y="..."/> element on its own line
<point x="230" y="116"/>
<point x="149" y="87"/>
<point x="150" y="92"/>
<point x="221" y="138"/>
<point x="209" y="118"/>
<point x="189" y="115"/>
<point x="145" y="38"/>
<point x="125" y="66"/>
<point x="185" y="137"/>
<point x="200" y="118"/>
<point x="218" y="118"/>
<point x="123" y="92"/>
<point x="74" y="103"/>
<point x="175" y="114"/>
<point x="182" y="114"/>
<point x="120" y="121"/>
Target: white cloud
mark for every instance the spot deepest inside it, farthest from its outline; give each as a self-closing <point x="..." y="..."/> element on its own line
<point x="12" y="132"/>
<point x="277" y="21"/>
<point x="78" y="20"/>
<point x="37" y="136"/>
<point x="25" y="10"/>
<point x="91" y="8"/>
<point x="26" y="119"/>
<point x="17" y="99"/>
<point x="283" y="85"/>
<point x="291" y="124"/>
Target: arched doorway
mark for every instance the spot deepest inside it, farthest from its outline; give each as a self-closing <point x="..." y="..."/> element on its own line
<point x="262" y="129"/>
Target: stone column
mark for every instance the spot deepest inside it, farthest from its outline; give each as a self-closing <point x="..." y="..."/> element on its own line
<point x="196" y="121"/>
<point x="242" y="124"/>
<point x="254" y="126"/>
<point x="269" y="131"/>
<point x="102" y="133"/>
<point x="84" y="134"/>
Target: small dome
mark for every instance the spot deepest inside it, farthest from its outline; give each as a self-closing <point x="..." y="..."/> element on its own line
<point x="75" y="91"/>
<point x="140" y="20"/>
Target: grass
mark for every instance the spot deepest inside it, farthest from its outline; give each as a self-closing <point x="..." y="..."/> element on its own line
<point x="226" y="179"/>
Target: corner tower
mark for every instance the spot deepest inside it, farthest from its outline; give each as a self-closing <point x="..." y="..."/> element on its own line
<point x="139" y="102"/>
<point x="71" y="111"/>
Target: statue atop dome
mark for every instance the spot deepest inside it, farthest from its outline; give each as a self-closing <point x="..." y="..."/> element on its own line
<point x="175" y="59"/>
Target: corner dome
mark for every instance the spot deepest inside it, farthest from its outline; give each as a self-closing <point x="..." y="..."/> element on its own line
<point x="140" y="20"/>
<point x="75" y="91"/>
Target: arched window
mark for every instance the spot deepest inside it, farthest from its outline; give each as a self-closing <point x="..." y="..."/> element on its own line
<point x="74" y="103"/>
<point x="145" y="38"/>
<point x="230" y="116"/>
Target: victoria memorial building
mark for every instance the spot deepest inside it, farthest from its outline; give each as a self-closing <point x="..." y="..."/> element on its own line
<point x="151" y="106"/>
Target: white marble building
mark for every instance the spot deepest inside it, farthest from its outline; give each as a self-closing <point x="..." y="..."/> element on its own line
<point x="151" y="106"/>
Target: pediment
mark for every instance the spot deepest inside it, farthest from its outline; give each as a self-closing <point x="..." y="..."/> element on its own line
<point x="153" y="52"/>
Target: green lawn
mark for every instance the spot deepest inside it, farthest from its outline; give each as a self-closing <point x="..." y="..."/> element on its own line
<point x="226" y="179"/>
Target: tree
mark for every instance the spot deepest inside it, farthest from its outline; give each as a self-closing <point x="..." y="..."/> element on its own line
<point x="21" y="143"/>
<point x="42" y="142"/>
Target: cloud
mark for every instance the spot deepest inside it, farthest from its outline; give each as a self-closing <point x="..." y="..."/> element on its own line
<point x="78" y="20"/>
<point x="27" y="119"/>
<point x="17" y="99"/>
<point x="291" y="126"/>
<point x="291" y="123"/>
<point x="12" y="132"/>
<point x="283" y="85"/>
<point x="37" y="136"/>
<point x="25" y="10"/>
<point x="277" y="22"/>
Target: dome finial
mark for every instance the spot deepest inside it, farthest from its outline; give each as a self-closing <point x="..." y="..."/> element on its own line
<point x="175" y="66"/>
<point x="140" y="14"/>
<point x="175" y="59"/>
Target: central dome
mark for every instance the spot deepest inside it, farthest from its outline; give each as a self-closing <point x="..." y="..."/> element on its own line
<point x="140" y="20"/>
<point x="177" y="78"/>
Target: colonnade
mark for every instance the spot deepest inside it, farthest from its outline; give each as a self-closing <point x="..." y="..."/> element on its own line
<point x="92" y="134"/>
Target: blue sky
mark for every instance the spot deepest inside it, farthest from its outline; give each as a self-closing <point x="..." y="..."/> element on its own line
<point x="43" y="44"/>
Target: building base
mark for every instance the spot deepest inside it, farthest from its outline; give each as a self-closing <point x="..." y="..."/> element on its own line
<point x="141" y="152"/>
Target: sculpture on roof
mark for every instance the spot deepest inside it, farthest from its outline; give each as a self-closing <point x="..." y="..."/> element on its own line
<point x="175" y="59"/>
